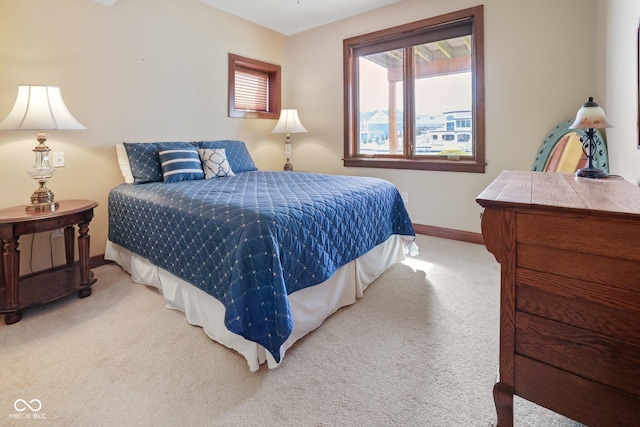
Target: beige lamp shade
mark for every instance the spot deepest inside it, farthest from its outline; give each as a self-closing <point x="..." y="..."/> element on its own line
<point x="289" y="122"/>
<point x="39" y="108"/>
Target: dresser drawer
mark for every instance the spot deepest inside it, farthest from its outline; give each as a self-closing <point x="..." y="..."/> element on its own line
<point x="591" y="402"/>
<point x="610" y="237"/>
<point x="585" y="353"/>
<point x="610" y="310"/>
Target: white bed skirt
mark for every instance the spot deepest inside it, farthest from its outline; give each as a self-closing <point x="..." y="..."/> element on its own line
<point x="309" y="306"/>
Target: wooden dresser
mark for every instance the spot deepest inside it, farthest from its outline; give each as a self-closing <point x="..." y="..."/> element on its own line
<point x="569" y="250"/>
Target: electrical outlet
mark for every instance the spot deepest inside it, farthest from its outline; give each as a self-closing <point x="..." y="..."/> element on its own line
<point x="58" y="159"/>
<point x="59" y="232"/>
<point x="405" y="197"/>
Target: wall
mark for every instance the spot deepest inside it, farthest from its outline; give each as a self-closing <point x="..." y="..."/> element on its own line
<point x="617" y="58"/>
<point x="140" y="70"/>
<point x="145" y="70"/>
<point x="535" y="55"/>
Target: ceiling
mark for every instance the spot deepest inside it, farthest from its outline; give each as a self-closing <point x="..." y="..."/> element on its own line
<point x="106" y="2"/>
<point x="293" y="16"/>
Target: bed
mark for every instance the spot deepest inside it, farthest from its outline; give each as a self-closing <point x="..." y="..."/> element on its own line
<point x="257" y="259"/>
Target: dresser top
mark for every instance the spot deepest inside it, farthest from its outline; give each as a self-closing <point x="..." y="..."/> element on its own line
<point x="612" y="196"/>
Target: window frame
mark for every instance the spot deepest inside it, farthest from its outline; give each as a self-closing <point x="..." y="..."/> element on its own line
<point x="475" y="163"/>
<point x="274" y="76"/>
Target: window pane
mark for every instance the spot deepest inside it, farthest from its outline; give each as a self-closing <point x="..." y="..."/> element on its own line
<point x="414" y="95"/>
<point x="443" y="98"/>
<point x="381" y="92"/>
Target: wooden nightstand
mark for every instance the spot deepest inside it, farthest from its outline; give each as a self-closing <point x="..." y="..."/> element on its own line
<point x="17" y="293"/>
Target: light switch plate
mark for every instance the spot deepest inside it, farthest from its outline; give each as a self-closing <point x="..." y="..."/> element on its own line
<point x="58" y="159"/>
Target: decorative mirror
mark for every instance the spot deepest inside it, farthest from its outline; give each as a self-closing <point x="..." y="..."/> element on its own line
<point x="562" y="151"/>
<point x="638" y="57"/>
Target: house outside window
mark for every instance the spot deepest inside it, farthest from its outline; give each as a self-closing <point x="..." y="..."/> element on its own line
<point x="414" y="95"/>
<point x="254" y="88"/>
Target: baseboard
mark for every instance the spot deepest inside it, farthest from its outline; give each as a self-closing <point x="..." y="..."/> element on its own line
<point x="97" y="261"/>
<point x="448" y="233"/>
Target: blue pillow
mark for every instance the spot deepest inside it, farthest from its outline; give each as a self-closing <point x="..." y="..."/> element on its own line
<point x="237" y="154"/>
<point x="180" y="162"/>
<point x="144" y="162"/>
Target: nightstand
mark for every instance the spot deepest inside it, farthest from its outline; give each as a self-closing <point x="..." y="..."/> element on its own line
<point x="17" y="293"/>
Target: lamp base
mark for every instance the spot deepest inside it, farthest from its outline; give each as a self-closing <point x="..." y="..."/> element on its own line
<point x="288" y="166"/>
<point x="591" y="173"/>
<point x="42" y="200"/>
<point x="42" y="207"/>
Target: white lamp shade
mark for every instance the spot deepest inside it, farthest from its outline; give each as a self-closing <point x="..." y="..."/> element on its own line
<point x="39" y="108"/>
<point x="590" y="116"/>
<point x="289" y="123"/>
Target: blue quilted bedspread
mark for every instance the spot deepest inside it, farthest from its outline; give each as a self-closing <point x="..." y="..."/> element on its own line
<point x="252" y="239"/>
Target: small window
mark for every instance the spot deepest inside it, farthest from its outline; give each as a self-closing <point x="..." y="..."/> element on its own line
<point x="254" y="88"/>
<point x="414" y="95"/>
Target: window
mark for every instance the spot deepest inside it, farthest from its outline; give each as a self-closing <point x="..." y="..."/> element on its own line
<point x="414" y="95"/>
<point x="254" y="88"/>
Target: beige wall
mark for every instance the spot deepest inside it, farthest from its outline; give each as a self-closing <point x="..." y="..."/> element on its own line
<point x="617" y="78"/>
<point x="140" y="70"/>
<point x="535" y="53"/>
<point x="145" y="70"/>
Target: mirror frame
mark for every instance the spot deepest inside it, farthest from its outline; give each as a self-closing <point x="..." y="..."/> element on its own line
<point x="600" y="160"/>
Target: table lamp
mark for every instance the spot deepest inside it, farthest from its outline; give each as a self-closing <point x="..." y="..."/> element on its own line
<point x="288" y="123"/>
<point x="40" y="108"/>
<point x="590" y="117"/>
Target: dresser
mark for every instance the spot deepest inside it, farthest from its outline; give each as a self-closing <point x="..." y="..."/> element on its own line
<point x="569" y="250"/>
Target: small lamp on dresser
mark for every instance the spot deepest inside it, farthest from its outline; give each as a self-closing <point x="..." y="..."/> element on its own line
<point x="40" y="108"/>
<point x="288" y="123"/>
<point x="590" y="117"/>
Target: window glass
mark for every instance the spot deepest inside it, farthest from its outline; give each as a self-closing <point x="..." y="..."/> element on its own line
<point x="414" y="95"/>
<point x="443" y="98"/>
<point x="381" y="91"/>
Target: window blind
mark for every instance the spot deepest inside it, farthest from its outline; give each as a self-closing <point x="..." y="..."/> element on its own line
<point x="251" y="90"/>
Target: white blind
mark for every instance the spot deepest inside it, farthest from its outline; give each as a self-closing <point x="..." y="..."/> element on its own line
<point x="251" y="90"/>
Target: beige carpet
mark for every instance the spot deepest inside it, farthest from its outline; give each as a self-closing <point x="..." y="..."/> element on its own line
<point x="419" y="349"/>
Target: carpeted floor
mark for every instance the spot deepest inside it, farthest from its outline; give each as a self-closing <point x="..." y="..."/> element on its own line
<point x="419" y="349"/>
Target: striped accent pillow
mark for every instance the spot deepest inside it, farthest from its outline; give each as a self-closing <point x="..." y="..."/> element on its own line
<point x="180" y="165"/>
